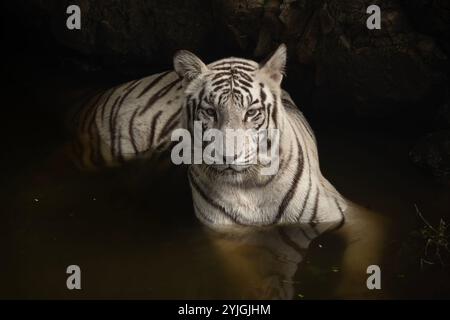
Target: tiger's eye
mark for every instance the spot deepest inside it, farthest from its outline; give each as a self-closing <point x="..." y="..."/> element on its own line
<point x="210" y="112"/>
<point x="251" y="113"/>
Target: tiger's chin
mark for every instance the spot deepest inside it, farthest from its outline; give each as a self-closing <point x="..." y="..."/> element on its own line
<point x="232" y="174"/>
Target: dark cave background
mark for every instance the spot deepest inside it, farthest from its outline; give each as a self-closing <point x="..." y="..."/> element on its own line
<point x="396" y="78"/>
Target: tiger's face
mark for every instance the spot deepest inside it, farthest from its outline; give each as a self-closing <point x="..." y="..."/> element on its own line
<point x="232" y="106"/>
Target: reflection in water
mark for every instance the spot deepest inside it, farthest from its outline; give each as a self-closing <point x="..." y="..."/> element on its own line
<point x="266" y="259"/>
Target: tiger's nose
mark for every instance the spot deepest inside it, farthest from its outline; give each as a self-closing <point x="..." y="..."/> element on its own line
<point x="229" y="159"/>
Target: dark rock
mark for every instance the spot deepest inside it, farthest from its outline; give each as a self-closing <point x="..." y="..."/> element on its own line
<point x="128" y="32"/>
<point x="432" y="153"/>
<point x="431" y="17"/>
<point x="375" y="73"/>
<point x="442" y="117"/>
<point x="239" y="22"/>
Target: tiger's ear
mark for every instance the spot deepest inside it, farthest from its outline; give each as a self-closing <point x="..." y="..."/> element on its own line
<point x="188" y="66"/>
<point x="274" y="67"/>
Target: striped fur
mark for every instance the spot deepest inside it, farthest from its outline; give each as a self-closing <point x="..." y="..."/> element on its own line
<point x="298" y="193"/>
<point x="130" y="121"/>
<point x="134" y="120"/>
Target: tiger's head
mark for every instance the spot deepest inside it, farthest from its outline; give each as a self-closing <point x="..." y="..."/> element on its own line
<point x="235" y="105"/>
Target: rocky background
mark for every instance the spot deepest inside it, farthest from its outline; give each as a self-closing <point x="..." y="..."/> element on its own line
<point x="337" y="67"/>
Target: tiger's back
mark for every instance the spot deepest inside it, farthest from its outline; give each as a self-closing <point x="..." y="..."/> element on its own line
<point x="130" y="121"/>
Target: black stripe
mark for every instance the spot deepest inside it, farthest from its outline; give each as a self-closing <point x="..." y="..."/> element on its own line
<point x="244" y="75"/>
<point x="158" y="95"/>
<point x="106" y="101"/>
<point x="130" y="84"/>
<point x="245" y="89"/>
<point x="262" y="95"/>
<point x="111" y="126"/>
<point x="168" y="129"/>
<point x="283" y="165"/>
<point x="258" y="126"/>
<point x="219" y="75"/>
<point x="94" y="136"/>
<point x="221" y="87"/>
<point x="189" y="109"/>
<point x="131" y="130"/>
<point x="269" y="112"/>
<point x="275" y="110"/>
<point x="221" y="81"/>
<point x="238" y="94"/>
<point x="115" y="114"/>
<point x="291" y="192"/>
<point x="312" y="220"/>
<point x="234" y="67"/>
<point x="244" y="83"/>
<point x="223" y="94"/>
<point x="210" y="201"/>
<point x="234" y="62"/>
<point x="153" y="83"/>
<point x="221" y="68"/>
<point x="170" y="124"/>
<point x="309" y="187"/>
<point x="119" y="147"/>
<point x="198" y="103"/>
<point x="153" y="128"/>
<point x="100" y="160"/>
<point x="240" y="67"/>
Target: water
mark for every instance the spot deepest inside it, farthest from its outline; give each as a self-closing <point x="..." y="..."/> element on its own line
<point x="134" y="235"/>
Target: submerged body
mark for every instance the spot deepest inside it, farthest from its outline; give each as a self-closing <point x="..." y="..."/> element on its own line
<point x="135" y="120"/>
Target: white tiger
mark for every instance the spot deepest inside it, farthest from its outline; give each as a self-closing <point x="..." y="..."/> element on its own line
<point x="136" y="119"/>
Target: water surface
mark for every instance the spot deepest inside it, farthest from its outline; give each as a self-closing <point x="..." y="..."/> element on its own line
<point x="134" y="235"/>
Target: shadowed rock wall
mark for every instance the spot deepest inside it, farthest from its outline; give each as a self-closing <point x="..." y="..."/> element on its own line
<point x="335" y="65"/>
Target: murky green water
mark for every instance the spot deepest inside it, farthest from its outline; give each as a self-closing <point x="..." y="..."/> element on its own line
<point x="134" y="235"/>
